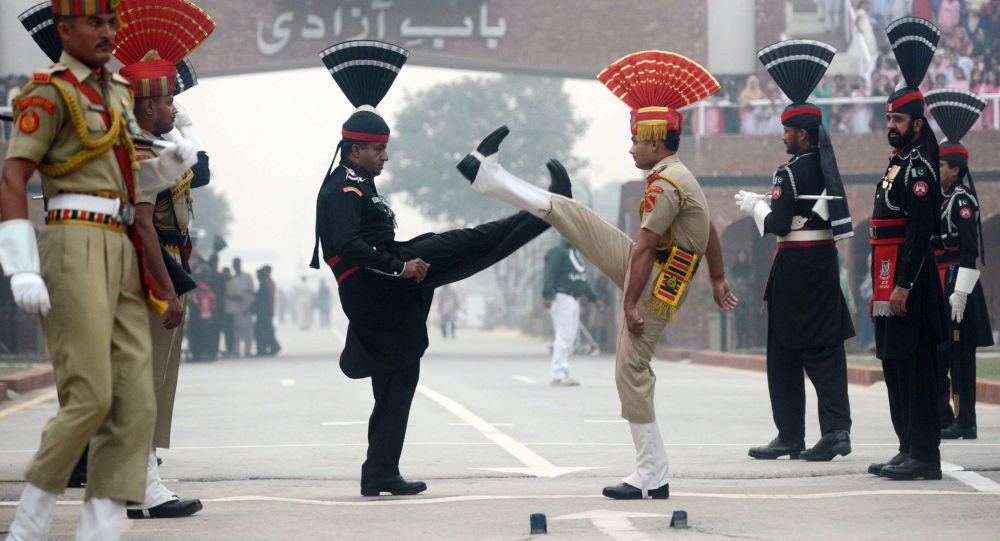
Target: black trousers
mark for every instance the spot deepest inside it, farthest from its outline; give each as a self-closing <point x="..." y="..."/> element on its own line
<point x="913" y="401"/>
<point x="827" y="369"/>
<point x="376" y="321"/>
<point x="960" y="359"/>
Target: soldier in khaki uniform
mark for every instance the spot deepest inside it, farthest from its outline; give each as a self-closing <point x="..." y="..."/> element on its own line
<point x="654" y="270"/>
<point x="153" y="84"/>
<point x="83" y="275"/>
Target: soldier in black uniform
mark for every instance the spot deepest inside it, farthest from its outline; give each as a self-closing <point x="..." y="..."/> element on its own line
<point x="956" y="250"/>
<point x="807" y="316"/>
<point x="907" y="307"/>
<point x="386" y="286"/>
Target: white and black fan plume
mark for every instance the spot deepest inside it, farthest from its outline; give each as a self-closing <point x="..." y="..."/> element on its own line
<point x="364" y="69"/>
<point x="955" y="111"/>
<point x="187" y="78"/>
<point x="39" y="23"/>
<point x="797" y="65"/>
<point x="913" y="42"/>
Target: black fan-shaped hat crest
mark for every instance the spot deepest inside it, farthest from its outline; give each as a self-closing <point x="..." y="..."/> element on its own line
<point x="39" y="23"/>
<point x="797" y="65"/>
<point x="364" y="69"/>
<point x="955" y="111"/>
<point x="187" y="78"/>
<point x="913" y="42"/>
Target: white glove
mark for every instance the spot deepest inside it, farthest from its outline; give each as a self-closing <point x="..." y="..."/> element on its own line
<point x="182" y="122"/>
<point x="747" y="201"/>
<point x="182" y="119"/>
<point x="965" y="280"/>
<point x="164" y="171"/>
<point x="957" y="301"/>
<point x="19" y="258"/>
<point x="30" y="293"/>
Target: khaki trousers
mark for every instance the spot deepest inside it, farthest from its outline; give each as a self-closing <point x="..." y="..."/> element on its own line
<point x="166" y="366"/>
<point x="97" y="334"/>
<point x="610" y="250"/>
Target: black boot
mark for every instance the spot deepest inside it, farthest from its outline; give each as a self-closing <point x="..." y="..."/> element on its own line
<point x="397" y="486"/>
<point x="776" y="449"/>
<point x="875" y="468"/>
<point x="911" y="469"/>
<point x="955" y="432"/>
<point x="560" y="185"/>
<point x="469" y="166"/>
<point x="833" y="443"/>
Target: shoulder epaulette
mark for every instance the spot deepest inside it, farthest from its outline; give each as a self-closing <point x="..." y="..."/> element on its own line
<point x="44" y="76"/>
<point x="119" y="79"/>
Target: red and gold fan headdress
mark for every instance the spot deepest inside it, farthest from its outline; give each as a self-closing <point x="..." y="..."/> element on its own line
<point x="655" y="84"/>
<point x="155" y="35"/>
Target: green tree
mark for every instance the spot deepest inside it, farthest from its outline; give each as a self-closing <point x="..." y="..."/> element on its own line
<point x="441" y="124"/>
<point x="211" y="219"/>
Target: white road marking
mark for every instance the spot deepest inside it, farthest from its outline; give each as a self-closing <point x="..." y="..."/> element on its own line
<point x="615" y="421"/>
<point x="288" y="383"/>
<point x="28" y="403"/>
<point x="422" y="500"/>
<point x="970" y="478"/>
<point x="493" y="424"/>
<point x="343" y="423"/>
<point x="614" y="524"/>
<point x="526" y="379"/>
<point x="535" y="465"/>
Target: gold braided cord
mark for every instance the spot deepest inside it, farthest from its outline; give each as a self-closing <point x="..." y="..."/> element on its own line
<point x="92" y="147"/>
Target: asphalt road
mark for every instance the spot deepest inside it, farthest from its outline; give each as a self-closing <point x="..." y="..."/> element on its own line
<point x="274" y="446"/>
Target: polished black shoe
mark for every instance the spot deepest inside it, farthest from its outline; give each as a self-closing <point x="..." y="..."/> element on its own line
<point x="560" y="184"/>
<point x="776" y="449"/>
<point x="397" y="486"/>
<point x="875" y="468"/>
<point x="837" y="442"/>
<point x="625" y="491"/>
<point x="171" y="509"/>
<point x="469" y="166"/>
<point x="912" y="468"/>
<point x="955" y="432"/>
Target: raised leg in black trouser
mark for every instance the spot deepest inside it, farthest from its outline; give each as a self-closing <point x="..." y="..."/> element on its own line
<point x="393" y="394"/>
<point x="827" y="369"/>
<point x="963" y="381"/>
<point x="457" y="254"/>
<point x="913" y="404"/>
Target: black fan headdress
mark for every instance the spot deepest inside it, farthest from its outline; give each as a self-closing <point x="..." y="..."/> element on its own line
<point x="797" y="66"/>
<point x="39" y="23"/>
<point x="365" y="70"/>
<point x="187" y="77"/>
<point x="913" y="41"/>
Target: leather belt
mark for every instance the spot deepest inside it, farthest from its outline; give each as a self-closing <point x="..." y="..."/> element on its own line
<point x="892" y="228"/>
<point x="119" y="210"/>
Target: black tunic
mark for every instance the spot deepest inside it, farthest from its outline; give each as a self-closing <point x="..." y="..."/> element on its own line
<point x="914" y="194"/>
<point x="806" y="307"/>
<point x="958" y="246"/>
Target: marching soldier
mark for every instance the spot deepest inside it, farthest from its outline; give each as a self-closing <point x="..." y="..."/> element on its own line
<point x="154" y="84"/>
<point x="956" y="250"/>
<point x="807" y="316"/>
<point x="85" y="276"/>
<point x="907" y="307"/>
<point x="654" y="271"/>
<point x="386" y="286"/>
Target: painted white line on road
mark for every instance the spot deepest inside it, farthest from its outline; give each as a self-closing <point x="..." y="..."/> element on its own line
<point x="971" y="478"/>
<point x="525" y="379"/>
<point x="423" y="500"/>
<point x="614" y="524"/>
<point x="343" y="423"/>
<point x="615" y="421"/>
<point x="493" y="424"/>
<point x="27" y="404"/>
<point x="535" y="465"/>
<point x="288" y="383"/>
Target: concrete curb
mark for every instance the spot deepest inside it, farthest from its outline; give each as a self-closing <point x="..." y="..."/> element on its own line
<point x="27" y="380"/>
<point x="987" y="391"/>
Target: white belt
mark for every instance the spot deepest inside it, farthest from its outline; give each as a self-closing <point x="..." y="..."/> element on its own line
<point x="807" y="235"/>
<point x="123" y="211"/>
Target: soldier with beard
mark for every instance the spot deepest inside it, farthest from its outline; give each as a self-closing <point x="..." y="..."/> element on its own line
<point x="907" y="306"/>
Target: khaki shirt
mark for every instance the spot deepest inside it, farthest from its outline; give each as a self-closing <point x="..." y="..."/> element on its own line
<point x="177" y="215"/>
<point x="661" y="209"/>
<point x="44" y="132"/>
